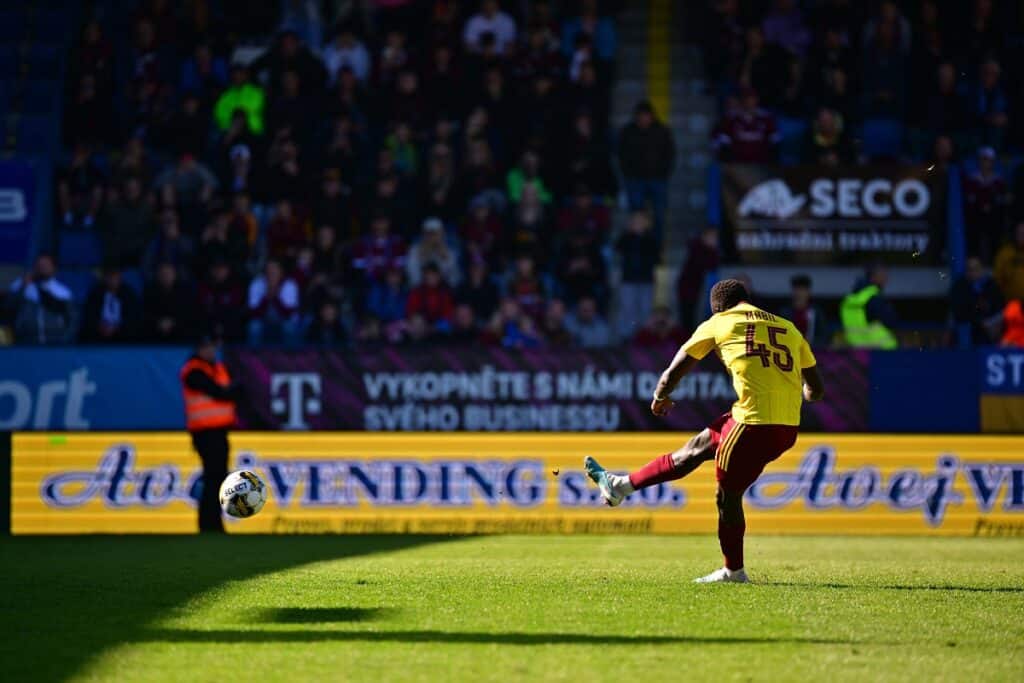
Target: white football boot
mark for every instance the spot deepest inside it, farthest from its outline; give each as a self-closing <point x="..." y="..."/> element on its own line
<point x="724" y="575"/>
<point x="614" y="488"/>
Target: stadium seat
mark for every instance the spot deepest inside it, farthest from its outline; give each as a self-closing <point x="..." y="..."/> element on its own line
<point x="44" y="61"/>
<point x="133" y="278"/>
<point x="791" y="144"/>
<point x="79" y="281"/>
<point x="9" y="61"/>
<point x="78" y="249"/>
<point x="51" y="25"/>
<point x="41" y="97"/>
<point x="37" y="135"/>
<point x="13" y="26"/>
<point x="882" y="138"/>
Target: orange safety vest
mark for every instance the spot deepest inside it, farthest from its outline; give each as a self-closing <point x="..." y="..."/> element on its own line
<point x="1013" y="322"/>
<point x="202" y="411"/>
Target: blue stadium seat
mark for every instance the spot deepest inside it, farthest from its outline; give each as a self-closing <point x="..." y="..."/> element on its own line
<point x="78" y="280"/>
<point x="44" y="61"/>
<point x="78" y="249"/>
<point x="38" y="135"/>
<point x="7" y="90"/>
<point x="40" y="97"/>
<point x="9" y="61"/>
<point x="792" y="132"/>
<point x="882" y="138"/>
<point x="51" y="25"/>
<point x="133" y="278"/>
<point x="13" y="25"/>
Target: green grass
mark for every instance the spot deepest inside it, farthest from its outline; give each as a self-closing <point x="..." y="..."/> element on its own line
<point x="508" y="608"/>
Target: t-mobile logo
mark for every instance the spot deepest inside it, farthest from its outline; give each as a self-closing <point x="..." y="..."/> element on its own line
<point x="295" y="395"/>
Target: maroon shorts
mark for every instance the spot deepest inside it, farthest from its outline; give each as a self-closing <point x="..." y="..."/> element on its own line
<point x="742" y="450"/>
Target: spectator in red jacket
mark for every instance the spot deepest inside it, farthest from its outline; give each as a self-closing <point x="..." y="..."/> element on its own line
<point x="432" y="299"/>
<point x="287" y="231"/>
<point x="525" y="287"/>
<point x="222" y="302"/>
<point x="702" y="257"/>
<point x="482" y="232"/>
<point x="378" y="252"/>
<point x="985" y="203"/>
<point x="748" y="135"/>
<point x="584" y="218"/>
<point x="273" y="307"/>
<point x="659" y="330"/>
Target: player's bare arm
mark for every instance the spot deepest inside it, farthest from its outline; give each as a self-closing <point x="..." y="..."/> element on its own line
<point x="677" y="369"/>
<point x="814" y="387"/>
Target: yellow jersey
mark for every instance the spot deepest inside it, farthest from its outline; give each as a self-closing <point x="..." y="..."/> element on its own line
<point x="764" y="354"/>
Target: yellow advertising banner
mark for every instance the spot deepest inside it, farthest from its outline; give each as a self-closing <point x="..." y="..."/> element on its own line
<point x="71" y="483"/>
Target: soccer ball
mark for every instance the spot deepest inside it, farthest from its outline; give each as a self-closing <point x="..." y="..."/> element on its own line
<point x="242" y="494"/>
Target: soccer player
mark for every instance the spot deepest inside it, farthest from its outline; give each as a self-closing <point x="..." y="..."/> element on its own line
<point x="772" y="367"/>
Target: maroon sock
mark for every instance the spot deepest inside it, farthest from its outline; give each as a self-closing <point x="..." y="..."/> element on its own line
<point x="730" y="537"/>
<point x="659" y="470"/>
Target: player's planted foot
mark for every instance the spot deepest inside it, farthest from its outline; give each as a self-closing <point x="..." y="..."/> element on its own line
<point x="724" y="575"/>
<point x="614" y="488"/>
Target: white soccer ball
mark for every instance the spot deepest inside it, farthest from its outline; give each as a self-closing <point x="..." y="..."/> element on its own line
<point x="242" y="494"/>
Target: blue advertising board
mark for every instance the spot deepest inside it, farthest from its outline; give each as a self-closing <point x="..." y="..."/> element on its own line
<point x="924" y="391"/>
<point x="1002" y="371"/>
<point x="91" y="388"/>
<point x="18" y="210"/>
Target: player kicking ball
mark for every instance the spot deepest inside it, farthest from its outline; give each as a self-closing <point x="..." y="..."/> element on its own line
<point x="772" y="369"/>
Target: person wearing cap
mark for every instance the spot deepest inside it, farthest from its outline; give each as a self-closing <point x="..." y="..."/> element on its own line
<point x="209" y="413"/>
<point x="647" y="155"/>
<point x="432" y="249"/>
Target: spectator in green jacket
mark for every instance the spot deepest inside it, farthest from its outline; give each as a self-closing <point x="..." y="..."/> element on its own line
<point x="527" y="173"/>
<point x="241" y="94"/>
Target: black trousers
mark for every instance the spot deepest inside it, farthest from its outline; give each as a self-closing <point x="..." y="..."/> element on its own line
<point x="213" y="448"/>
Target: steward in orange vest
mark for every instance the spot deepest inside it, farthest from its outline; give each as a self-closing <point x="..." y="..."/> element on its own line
<point x="1013" y="324"/>
<point x="209" y="413"/>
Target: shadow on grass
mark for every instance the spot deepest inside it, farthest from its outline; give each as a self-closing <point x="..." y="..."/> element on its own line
<point x="228" y="636"/>
<point x="65" y="600"/>
<point x="898" y="587"/>
<point x="319" y="615"/>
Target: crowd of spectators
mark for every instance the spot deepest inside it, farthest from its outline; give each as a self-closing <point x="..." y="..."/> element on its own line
<point x="835" y="82"/>
<point x="424" y="171"/>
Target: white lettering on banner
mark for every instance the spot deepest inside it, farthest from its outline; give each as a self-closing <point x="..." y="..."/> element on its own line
<point x="13" y="208"/>
<point x="842" y="240"/>
<point x="75" y="389"/>
<point x="523" y="482"/>
<point x="419" y="401"/>
<point x="1005" y="370"/>
<point x="491" y="417"/>
<point x="841" y="198"/>
<point x="487" y="384"/>
<point x="491" y="385"/>
<point x="295" y="405"/>
<point x="854" y="198"/>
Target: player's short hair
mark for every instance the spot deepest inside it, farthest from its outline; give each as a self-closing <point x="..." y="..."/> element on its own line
<point x="726" y="294"/>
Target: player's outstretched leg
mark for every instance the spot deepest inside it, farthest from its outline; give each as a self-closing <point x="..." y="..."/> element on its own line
<point x="731" y="527"/>
<point x="614" y="487"/>
<point x="668" y="467"/>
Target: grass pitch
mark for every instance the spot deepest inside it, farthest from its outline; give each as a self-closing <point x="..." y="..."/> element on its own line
<point x="508" y="608"/>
